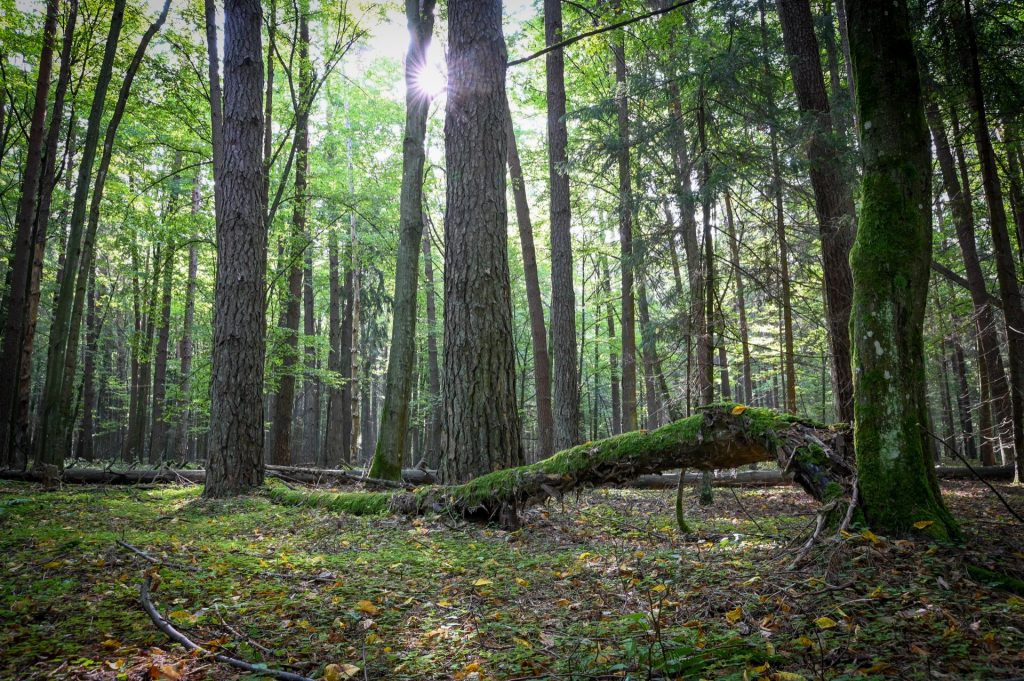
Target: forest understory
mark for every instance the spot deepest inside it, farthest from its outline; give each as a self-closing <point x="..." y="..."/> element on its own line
<point x="600" y="586"/>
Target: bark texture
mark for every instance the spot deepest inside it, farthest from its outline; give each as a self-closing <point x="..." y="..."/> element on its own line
<point x="235" y="452"/>
<point x="480" y="424"/>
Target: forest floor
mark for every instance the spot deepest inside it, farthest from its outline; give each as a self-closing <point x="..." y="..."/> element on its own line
<point x="600" y="588"/>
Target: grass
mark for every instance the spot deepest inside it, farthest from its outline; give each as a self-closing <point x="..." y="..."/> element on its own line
<point x="602" y="588"/>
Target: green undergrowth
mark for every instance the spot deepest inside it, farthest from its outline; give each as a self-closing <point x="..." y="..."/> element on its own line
<point x="600" y="587"/>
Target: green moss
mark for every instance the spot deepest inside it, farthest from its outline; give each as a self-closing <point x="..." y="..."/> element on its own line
<point x="1007" y="582"/>
<point x="353" y="503"/>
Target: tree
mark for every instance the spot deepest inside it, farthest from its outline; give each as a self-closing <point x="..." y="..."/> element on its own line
<point x="480" y="429"/>
<point x="563" y="296"/>
<point x="394" y="424"/>
<point x="235" y="452"/>
<point x="890" y="263"/>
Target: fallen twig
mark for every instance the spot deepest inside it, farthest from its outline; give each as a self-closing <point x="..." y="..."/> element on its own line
<point x="163" y="625"/>
<point x="154" y="559"/>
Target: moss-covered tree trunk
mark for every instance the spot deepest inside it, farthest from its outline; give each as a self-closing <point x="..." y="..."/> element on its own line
<point x="890" y="259"/>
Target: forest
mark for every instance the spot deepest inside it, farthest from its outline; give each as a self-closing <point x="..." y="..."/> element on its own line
<point x="539" y="339"/>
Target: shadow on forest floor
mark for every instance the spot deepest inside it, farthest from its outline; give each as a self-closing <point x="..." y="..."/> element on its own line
<point x="599" y="588"/>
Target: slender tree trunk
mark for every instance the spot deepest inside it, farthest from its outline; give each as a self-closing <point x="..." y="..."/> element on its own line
<point x="88" y="433"/>
<point x="891" y="260"/>
<point x="628" y="315"/>
<point x="963" y="399"/>
<point x="1006" y="271"/>
<point x="394" y="426"/>
<point x="563" y="296"/>
<point x="433" y="444"/>
<point x="705" y="342"/>
<point x="656" y="415"/>
<point x="741" y="303"/>
<point x="961" y="206"/>
<point x="235" y="451"/>
<point x="538" y="330"/>
<point x="15" y="302"/>
<point x="480" y="428"/>
<point x="613" y="356"/>
<point x="332" y="454"/>
<point x="158" y="431"/>
<point x="833" y="199"/>
<point x="186" y="346"/>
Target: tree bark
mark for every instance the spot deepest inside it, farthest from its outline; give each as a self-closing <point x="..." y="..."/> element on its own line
<point x="332" y="454"/>
<point x="891" y="261"/>
<point x="613" y="356"/>
<point x="186" y="347"/>
<point x="833" y="199"/>
<point x="563" y="296"/>
<point x="394" y="425"/>
<point x="741" y="304"/>
<point x="235" y="457"/>
<point x="432" y="454"/>
<point x="963" y="400"/>
<point x="1006" y="271"/>
<point x="538" y="329"/>
<point x="480" y="427"/>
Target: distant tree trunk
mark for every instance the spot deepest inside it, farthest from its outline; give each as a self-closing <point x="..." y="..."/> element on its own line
<point x="15" y="300"/>
<point x="833" y="199"/>
<point x="947" y="400"/>
<point x="961" y="206"/>
<point x="741" y="304"/>
<point x="158" y="431"/>
<point x="628" y="316"/>
<point x="235" y="452"/>
<point x="480" y="428"/>
<point x="963" y="399"/>
<point x="1006" y="271"/>
<point x="538" y="330"/>
<point x="563" y="297"/>
<point x="656" y="415"/>
<point x="1011" y="146"/>
<point x="989" y="435"/>
<point x="86" y="448"/>
<point x="394" y="425"/>
<point x="186" y="346"/>
<point x="613" y="356"/>
<point x="332" y="454"/>
<point x="310" y="381"/>
<point x="26" y="269"/>
<point x="891" y="260"/>
<point x="705" y="342"/>
<point x="433" y="444"/>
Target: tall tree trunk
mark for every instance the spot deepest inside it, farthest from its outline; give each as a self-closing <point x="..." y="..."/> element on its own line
<point x="86" y="448"/>
<point x="332" y="455"/>
<point x="613" y="356"/>
<point x="1006" y="271"/>
<point x="833" y="199"/>
<point x="563" y="296"/>
<point x="15" y="429"/>
<point x="480" y="428"/>
<point x="15" y="301"/>
<point x="433" y="444"/>
<point x="741" y="304"/>
<point x="186" y="346"/>
<point x="158" y="431"/>
<point x="235" y="451"/>
<point x="963" y="399"/>
<point x="310" y="382"/>
<point x="961" y="206"/>
<point x="538" y="330"/>
<point x="705" y="341"/>
<point x="891" y="260"/>
<point x="626" y="261"/>
<point x="394" y="425"/>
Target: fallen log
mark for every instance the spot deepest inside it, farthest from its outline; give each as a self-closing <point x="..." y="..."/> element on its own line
<point x="312" y="476"/>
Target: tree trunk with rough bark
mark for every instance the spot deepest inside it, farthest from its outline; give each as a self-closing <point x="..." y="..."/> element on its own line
<point x="480" y="427"/>
<point x="235" y="452"/>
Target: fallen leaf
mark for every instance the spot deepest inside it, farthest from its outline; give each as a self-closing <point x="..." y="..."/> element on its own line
<point x="738" y="409"/>
<point x="522" y="582"/>
<point x="483" y="581"/>
<point x="734" y="616"/>
<point x="825" y="622"/>
<point x="923" y="524"/>
<point x="367" y="607"/>
<point x="340" y="672"/>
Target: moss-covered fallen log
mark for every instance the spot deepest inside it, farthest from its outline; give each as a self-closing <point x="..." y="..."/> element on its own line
<point x="719" y="437"/>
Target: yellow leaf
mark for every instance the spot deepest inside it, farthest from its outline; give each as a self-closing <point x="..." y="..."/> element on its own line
<point x="523" y="642"/>
<point x="181" y="615"/>
<point x="659" y="588"/>
<point x="483" y="581"/>
<point x="871" y="537"/>
<point x="522" y="582"/>
<point x="761" y="669"/>
<point x="367" y="607"/>
<point x="563" y="602"/>
<point x="472" y="667"/>
<point x="445" y="604"/>
<point x="340" y="672"/>
<point x="923" y="524"/>
<point x="877" y="593"/>
<point x="111" y="644"/>
<point x="825" y="622"/>
<point x="52" y="564"/>
<point x="786" y="676"/>
<point x="738" y="409"/>
<point x="734" y="616"/>
<point x="804" y="641"/>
